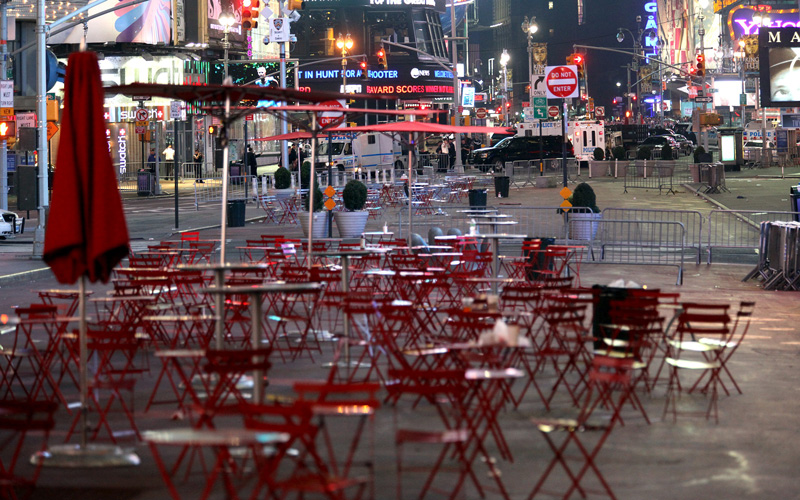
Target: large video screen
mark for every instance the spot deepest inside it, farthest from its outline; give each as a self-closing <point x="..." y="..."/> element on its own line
<point x="779" y="56"/>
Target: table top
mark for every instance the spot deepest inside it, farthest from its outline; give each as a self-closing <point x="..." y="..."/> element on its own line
<point x="181" y="317"/>
<point x="276" y="287"/>
<point x="478" y="211"/>
<point x="124" y="298"/>
<point x="496" y="223"/>
<point x="64" y="291"/>
<point x="181" y="353"/>
<point x="214" y="437"/>
<point x="223" y="266"/>
<point x="501" y="236"/>
<point x="482" y="374"/>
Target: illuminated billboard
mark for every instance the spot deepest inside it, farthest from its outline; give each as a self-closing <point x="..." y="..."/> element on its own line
<point x="779" y="52"/>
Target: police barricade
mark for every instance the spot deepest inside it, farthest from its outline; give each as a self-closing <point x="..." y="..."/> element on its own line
<point x="691" y="220"/>
<point x="239" y="188"/>
<point x="649" y="175"/>
<point x="735" y="234"/>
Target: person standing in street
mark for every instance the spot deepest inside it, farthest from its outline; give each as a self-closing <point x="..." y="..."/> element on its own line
<point x="198" y="165"/>
<point x="169" y="157"/>
<point x="151" y="161"/>
<point x="250" y="161"/>
<point x="293" y="157"/>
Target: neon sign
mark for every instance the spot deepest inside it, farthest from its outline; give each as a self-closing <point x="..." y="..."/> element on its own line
<point x="741" y="23"/>
<point x="651" y="43"/>
<point x="409" y="89"/>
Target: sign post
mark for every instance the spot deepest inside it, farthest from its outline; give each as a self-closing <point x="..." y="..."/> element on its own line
<point x="562" y="83"/>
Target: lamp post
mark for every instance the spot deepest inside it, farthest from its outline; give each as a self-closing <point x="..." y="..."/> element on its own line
<point x="227" y="21"/>
<point x="765" y="156"/>
<point x="530" y="28"/>
<point x="504" y="58"/>
<point x="344" y="43"/>
<point x="659" y="47"/>
<point x="739" y="55"/>
<point x="637" y="47"/>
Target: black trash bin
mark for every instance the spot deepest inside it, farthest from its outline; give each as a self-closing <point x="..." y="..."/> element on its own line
<point x="236" y="213"/>
<point x="144" y="183"/>
<point x="501" y="185"/>
<point x="477" y="197"/>
<point x="537" y="259"/>
<point x="794" y="200"/>
<point x="602" y="315"/>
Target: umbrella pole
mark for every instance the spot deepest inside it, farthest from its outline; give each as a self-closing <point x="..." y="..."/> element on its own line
<point x="225" y="173"/>
<point x="311" y="179"/>
<point x="410" y="209"/>
<point x="83" y="359"/>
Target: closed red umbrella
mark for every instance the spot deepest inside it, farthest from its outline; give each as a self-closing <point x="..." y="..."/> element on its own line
<point x="86" y="233"/>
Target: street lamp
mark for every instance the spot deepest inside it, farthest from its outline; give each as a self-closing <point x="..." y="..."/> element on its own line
<point x="227" y="21"/>
<point x="504" y="58"/>
<point x="634" y="66"/>
<point x="739" y="55"/>
<point x="530" y="27"/>
<point x="344" y="43"/>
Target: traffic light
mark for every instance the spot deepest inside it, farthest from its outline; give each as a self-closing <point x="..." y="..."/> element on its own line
<point x="578" y="60"/>
<point x="295" y="5"/>
<point x="571" y="59"/>
<point x="8" y="130"/>
<point x="250" y="14"/>
<point x="692" y="71"/>
<point x="363" y="65"/>
<point x="211" y="129"/>
<point x="382" y="58"/>
<point x="701" y="65"/>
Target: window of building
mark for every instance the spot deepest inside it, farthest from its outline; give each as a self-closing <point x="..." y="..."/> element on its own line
<point x="391" y="26"/>
<point x="550" y="5"/>
<point x="428" y="33"/>
<point x="320" y="38"/>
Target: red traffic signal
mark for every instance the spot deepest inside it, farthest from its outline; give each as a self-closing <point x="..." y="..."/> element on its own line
<point x="382" y="58"/>
<point x="701" y="65"/>
<point x="577" y="59"/>
<point x="8" y="129"/>
<point x="250" y="14"/>
<point x="363" y="65"/>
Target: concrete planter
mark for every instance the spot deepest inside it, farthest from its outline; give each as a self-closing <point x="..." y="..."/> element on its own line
<point x="600" y="168"/>
<point x="643" y="167"/>
<point x="350" y="224"/>
<point x="320" y="224"/>
<point x="665" y="168"/>
<point x="583" y="226"/>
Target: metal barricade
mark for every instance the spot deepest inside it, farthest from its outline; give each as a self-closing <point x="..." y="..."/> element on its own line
<point x="647" y="243"/>
<point x="691" y="220"/>
<point x="239" y="188"/>
<point x="127" y="182"/>
<point x="738" y="232"/>
<point x="555" y="166"/>
<point x="649" y="176"/>
<point x="191" y="170"/>
<point x="439" y="162"/>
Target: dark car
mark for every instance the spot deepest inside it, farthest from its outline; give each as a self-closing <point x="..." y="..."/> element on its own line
<point x="656" y="142"/>
<point x="519" y="148"/>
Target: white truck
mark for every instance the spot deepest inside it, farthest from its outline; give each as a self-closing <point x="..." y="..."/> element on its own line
<point x="752" y="132"/>
<point x="585" y="135"/>
<point x="351" y="153"/>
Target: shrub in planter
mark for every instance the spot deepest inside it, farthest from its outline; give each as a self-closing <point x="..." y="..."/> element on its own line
<point x="598" y="154"/>
<point x="644" y="153"/>
<point x="354" y="196"/>
<point x="317" y="199"/>
<point x="283" y="178"/>
<point x="305" y="174"/>
<point x="666" y="152"/>
<point x="699" y="150"/>
<point x="618" y="152"/>
<point x="583" y="196"/>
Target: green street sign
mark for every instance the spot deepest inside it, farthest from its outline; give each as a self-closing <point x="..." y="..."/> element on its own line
<point x="539" y="102"/>
<point x="540" y="113"/>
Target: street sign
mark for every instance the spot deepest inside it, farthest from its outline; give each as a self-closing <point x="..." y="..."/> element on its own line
<point x="26" y="120"/>
<point x="561" y="81"/>
<point x="331" y="117"/>
<point x="52" y="128"/>
<point x="552" y="111"/>
<point x="537" y="86"/>
<point x="142" y="115"/>
<point x="703" y="99"/>
<point x="6" y="111"/>
<point x="480" y="113"/>
<point x="743" y="99"/>
<point x="7" y="94"/>
<point x="539" y="113"/>
<point x="175" y="110"/>
<point x="141" y="98"/>
<point x="599" y="111"/>
<point x="141" y="127"/>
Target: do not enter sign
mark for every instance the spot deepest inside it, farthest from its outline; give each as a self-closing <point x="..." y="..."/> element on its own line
<point x="552" y="111"/>
<point x="331" y="118"/>
<point x="561" y="81"/>
<point x="480" y="113"/>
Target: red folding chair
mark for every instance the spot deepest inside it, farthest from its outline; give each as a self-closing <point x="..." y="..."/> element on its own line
<point x="20" y="421"/>
<point x="579" y="432"/>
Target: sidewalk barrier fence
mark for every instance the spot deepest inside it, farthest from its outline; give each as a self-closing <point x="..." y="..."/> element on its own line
<point x="649" y="176"/>
<point x="692" y="221"/>
<point x="211" y="190"/>
<point x="439" y="162"/>
<point x="739" y="229"/>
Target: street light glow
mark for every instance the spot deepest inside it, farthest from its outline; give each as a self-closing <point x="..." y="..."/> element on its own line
<point x="504" y="58"/>
<point x="227" y="20"/>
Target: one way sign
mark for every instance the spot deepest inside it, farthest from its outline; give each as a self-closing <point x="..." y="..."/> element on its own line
<point x="538" y="88"/>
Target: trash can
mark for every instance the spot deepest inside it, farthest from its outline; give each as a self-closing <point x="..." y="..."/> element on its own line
<point x="501" y="185"/>
<point x="236" y="213"/>
<point x="477" y="197"/>
<point x="794" y="200"/>
<point x="144" y="183"/>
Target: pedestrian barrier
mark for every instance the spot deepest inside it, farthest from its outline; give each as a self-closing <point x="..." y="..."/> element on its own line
<point x="739" y="230"/>
<point x="641" y="243"/>
<point x="127" y="182"/>
<point x="691" y="220"/>
<point x="649" y="176"/>
<point x="439" y="162"/>
<point x="211" y="190"/>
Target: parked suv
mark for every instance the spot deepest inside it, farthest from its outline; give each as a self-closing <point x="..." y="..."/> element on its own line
<point x="519" y="148"/>
<point x="656" y="142"/>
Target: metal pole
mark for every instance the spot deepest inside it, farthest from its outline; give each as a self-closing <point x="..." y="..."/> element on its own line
<point x="702" y="33"/>
<point x="505" y="95"/>
<point x="458" y="167"/>
<point x="175" y="163"/>
<point x="311" y="179"/>
<point x="564" y="143"/>
<point x="743" y="103"/>
<point x="41" y="118"/>
<point x="628" y="72"/>
<point x="3" y="73"/>
<point x="285" y="114"/>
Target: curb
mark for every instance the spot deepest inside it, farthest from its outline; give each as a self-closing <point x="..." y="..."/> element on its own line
<point x="22" y="276"/>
